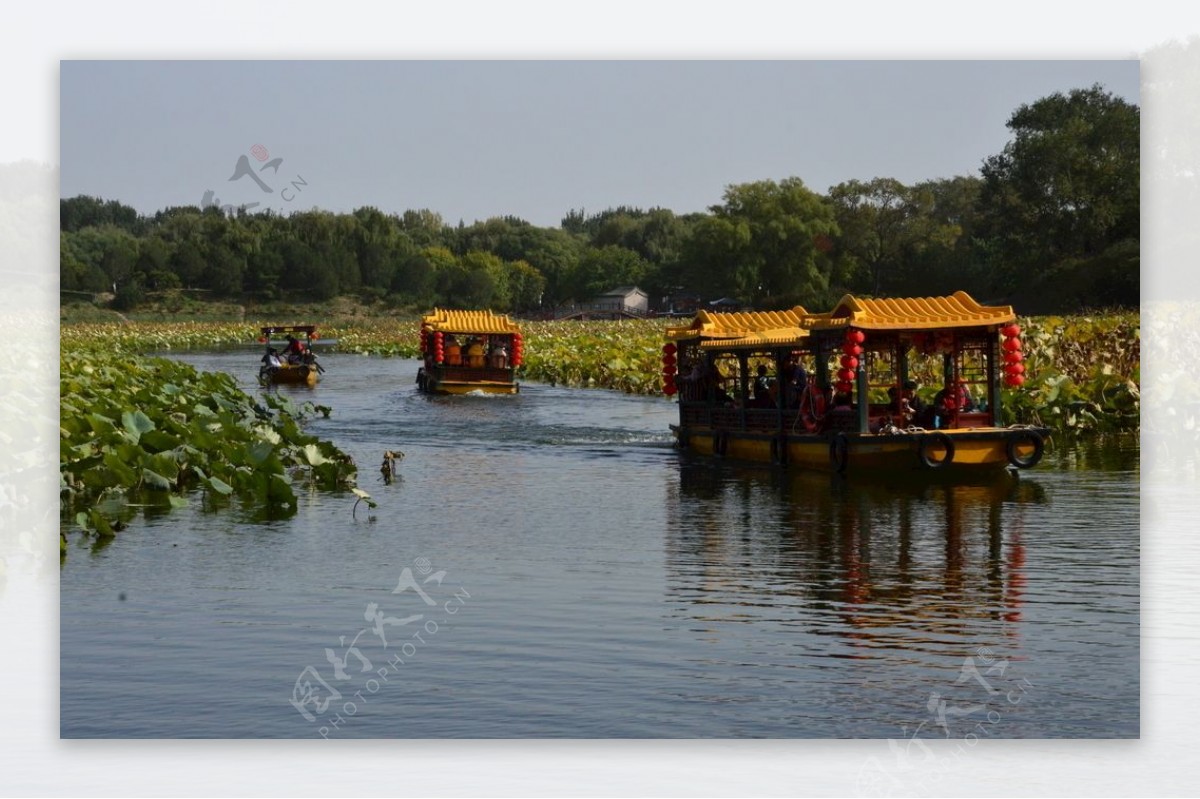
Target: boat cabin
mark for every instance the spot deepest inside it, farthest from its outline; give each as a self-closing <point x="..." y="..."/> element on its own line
<point x="468" y="351"/>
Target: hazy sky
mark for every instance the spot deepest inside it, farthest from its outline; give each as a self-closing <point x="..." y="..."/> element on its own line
<point x="475" y="139"/>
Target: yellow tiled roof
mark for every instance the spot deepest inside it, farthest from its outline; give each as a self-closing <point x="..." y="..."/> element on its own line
<point x="482" y="322"/>
<point x="779" y="337"/>
<point x="717" y="325"/>
<point x="923" y="313"/>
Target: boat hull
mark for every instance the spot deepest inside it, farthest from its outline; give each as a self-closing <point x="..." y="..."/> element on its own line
<point x="292" y="374"/>
<point x="468" y="380"/>
<point x="953" y="453"/>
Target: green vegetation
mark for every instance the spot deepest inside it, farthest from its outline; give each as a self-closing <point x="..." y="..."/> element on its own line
<point x="139" y="431"/>
<point x="1050" y="224"/>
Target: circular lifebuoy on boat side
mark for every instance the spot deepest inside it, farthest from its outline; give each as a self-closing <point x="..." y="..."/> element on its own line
<point x="931" y="441"/>
<point x="1021" y="437"/>
<point x="839" y="452"/>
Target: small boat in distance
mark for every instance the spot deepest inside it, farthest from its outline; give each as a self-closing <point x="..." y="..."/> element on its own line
<point x="467" y="351"/>
<point x="293" y="361"/>
<point x="842" y="391"/>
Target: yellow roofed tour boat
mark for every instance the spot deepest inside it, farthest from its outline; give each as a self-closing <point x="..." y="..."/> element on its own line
<point x="846" y="391"/>
<point x="469" y="351"/>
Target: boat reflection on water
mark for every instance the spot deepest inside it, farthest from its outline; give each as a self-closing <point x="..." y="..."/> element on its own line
<point x="928" y="567"/>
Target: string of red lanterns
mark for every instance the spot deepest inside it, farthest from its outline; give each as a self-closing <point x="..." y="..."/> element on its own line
<point x="1014" y="369"/>
<point x="670" y="367"/>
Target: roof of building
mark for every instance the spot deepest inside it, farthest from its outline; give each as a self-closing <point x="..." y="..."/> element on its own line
<point x="621" y="291"/>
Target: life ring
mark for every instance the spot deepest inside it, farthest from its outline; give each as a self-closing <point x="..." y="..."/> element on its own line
<point x="1015" y="440"/>
<point x="812" y="407"/>
<point x="720" y="443"/>
<point x="941" y="439"/>
<point x="839" y="452"/>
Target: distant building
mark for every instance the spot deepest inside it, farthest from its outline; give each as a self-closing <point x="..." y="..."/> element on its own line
<point x="622" y="299"/>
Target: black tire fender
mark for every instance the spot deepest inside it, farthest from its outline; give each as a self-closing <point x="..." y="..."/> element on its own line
<point x="927" y="441"/>
<point x="1015" y="440"/>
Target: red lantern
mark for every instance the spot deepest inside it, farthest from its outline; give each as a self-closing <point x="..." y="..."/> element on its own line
<point x="845" y="375"/>
<point x="669" y="348"/>
<point x="1012" y="344"/>
<point x="262" y="339"/>
<point x="668" y="372"/>
<point x="668" y="360"/>
<point x="844" y="387"/>
<point x="1013" y="381"/>
<point x="849" y="361"/>
<point x="1011" y="331"/>
<point x="855" y="337"/>
<point x="669" y="389"/>
<point x="1014" y="369"/>
<point x="852" y="349"/>
<point x="1016" y="356"/>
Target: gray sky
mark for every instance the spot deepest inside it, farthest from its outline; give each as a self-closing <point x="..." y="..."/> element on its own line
<point x="476" y="139"/>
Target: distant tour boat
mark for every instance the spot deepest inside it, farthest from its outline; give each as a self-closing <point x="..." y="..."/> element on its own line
<point x="468" y="351"/>
<point x="289" y="359"/>
<point x="840" y="391"/>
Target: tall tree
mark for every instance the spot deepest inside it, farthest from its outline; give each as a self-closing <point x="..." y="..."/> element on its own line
<point x="771" y="240"/>
<point x="1062" y="194"/>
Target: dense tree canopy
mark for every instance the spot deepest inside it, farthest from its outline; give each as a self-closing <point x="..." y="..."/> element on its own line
<point x="1051" y="223"/>
<point x="1060" y="205"/>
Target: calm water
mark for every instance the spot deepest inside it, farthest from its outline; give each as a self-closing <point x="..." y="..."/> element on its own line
<point x="549" y="566"/>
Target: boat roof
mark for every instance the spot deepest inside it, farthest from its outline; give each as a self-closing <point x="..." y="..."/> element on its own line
<point x="779" y="337"/>
<point x="710" y="325"/>
<point x="919" y="313"/>
<point x="308" y="330"/>
<point x="483" y="322"/>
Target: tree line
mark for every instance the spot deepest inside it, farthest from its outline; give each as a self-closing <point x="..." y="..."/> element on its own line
<point x="1051" y="223"/>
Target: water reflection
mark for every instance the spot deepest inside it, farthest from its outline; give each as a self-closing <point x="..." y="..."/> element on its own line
<point x="894" y="567"/>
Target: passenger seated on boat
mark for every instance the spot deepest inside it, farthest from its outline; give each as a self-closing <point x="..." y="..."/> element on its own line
<point x="704" y="377"/>
<point x="475" y="353"/>
<point x="762" y="396"/>
<point x="499" y="357"/>
<point x="453" y="352"/>
<point x="905" y="405"/>
<point x="949" y="400"/>
<point x="294" y="351"/>
<point x="797" y="380"/>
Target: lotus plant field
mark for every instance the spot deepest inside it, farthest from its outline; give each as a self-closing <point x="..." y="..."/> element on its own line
<point x="148" y="431"/>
